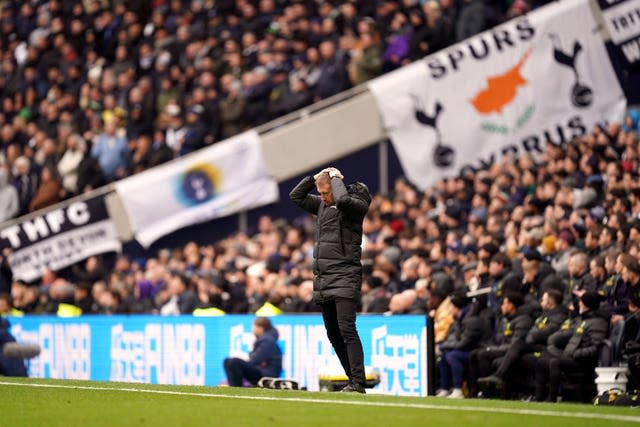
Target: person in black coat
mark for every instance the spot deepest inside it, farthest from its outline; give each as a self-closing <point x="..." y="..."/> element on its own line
<point x="508" y="341"/>
<point x="514" y="368"/>
<point x="337" y="269"/>
<point x="574" y="349"/>
<point x="181" y="298"/>
<point x="9" y="366"/>
<point x="464" y="335"/>
<point x="265" y="360"/>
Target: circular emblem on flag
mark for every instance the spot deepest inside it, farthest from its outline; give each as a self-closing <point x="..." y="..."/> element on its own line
<point x="581" y="95"/>
<point x="198" y="184"/>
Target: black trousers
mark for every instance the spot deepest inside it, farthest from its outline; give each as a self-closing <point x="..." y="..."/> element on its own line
<point x="480" y="365"/>
<point x="239" y="370"/>
<point x="339" y="317"/>
<point x="549" y="371"/>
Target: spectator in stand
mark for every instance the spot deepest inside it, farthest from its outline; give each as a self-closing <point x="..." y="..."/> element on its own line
<point x="25" y="179"/>
<point x="366" y="58"/>
<point x="196" y="130"/>
<point x="472" y="19"/>
<point x="441" y="311"/>
<point x="159" y="152"/>
<point x="69" y="163"/>
<point x="333" y="76"/>
<point x="180" y="298"/>
<point x="397" y="51"/>
<point x="233" y="109"/>
<point x="48" y="192"/>
<point x="9" y="203"/>
<point x="111" y="152"/>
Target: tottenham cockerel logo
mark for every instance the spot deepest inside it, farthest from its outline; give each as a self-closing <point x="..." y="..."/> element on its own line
<point x="443" y="155"/>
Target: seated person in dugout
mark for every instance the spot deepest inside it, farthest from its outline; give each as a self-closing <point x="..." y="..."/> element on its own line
<point x="265" y="360"/>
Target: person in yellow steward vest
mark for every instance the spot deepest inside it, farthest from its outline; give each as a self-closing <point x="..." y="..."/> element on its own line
<point x="7" y="308"/>
<point x="68" y="310"/>
<point x="271" y="307"/>
<point x="62" y="292"/>
<point x="208" y="312"/>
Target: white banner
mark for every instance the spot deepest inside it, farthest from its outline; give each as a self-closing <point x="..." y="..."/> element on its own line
<point x="544" y="77"/>
<point x="622" y="18"/>
<point x="220" y="180"/>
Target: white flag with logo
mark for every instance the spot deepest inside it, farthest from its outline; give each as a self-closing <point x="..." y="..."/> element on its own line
<point x="220" y="180"/>
<point x="541" y="78"/>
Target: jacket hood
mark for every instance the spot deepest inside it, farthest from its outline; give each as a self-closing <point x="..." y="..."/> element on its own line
<point x="273" y="333"/>
<point x="360" y="190"/>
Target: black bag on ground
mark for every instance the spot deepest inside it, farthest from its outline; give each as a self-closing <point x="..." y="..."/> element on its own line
<point x="618" y="397"/>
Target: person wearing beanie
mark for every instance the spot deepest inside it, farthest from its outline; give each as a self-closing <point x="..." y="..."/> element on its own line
<point x="548" y="245"/>
<point x="464" y="335"/>
<point x="499" y="269"/>
<point x="573" y="349"/>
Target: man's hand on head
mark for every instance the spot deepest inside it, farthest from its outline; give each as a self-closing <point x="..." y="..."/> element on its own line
<point x="335" y="173"/>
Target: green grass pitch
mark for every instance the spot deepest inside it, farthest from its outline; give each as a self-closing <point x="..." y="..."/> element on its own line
<point x="38" y="402"/>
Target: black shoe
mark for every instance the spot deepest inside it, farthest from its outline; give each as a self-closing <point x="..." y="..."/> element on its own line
<point x="353" y="388"/>
<point x="492" y="379"/>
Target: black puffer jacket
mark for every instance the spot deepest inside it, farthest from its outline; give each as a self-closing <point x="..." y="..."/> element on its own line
<point x="338" y="239"/>
<point x="466" y="332"/>
<point x="589" y="333"/>
<point x="512" y="330"/>
<point x="545" y="325"/>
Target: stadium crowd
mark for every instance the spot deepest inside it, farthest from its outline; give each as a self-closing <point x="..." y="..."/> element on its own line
<point x="533" y="262"/>
<point x="93" y="91"/>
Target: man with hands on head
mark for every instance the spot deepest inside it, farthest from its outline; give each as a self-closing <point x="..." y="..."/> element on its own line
<point x="340" y="211"/>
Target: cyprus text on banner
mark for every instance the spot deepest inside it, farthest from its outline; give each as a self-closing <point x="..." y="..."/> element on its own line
<point x="544" y="77"/>
<point x="59" y="238"/>
<point x="220" y="180"/>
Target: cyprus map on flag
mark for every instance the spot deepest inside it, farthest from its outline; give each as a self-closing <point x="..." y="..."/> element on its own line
<point x="541" y="78"/>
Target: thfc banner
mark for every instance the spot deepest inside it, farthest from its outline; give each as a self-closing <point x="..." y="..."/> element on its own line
<point x="220" y="180"/>
<point x="59" y="238"/>
<point x="541" y="78"/>
<point x="622" y="18"/>
<point x="190" y="350"/>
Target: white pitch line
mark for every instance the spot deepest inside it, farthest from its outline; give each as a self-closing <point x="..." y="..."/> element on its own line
<point x="511" y="411"/>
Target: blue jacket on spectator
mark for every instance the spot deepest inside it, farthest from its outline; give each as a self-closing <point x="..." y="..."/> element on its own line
<point x="111" y="152"/>
<point x="266" y="354"/>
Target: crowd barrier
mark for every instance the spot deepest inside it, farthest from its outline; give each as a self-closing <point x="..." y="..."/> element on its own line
<point x="189" y="350"/>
